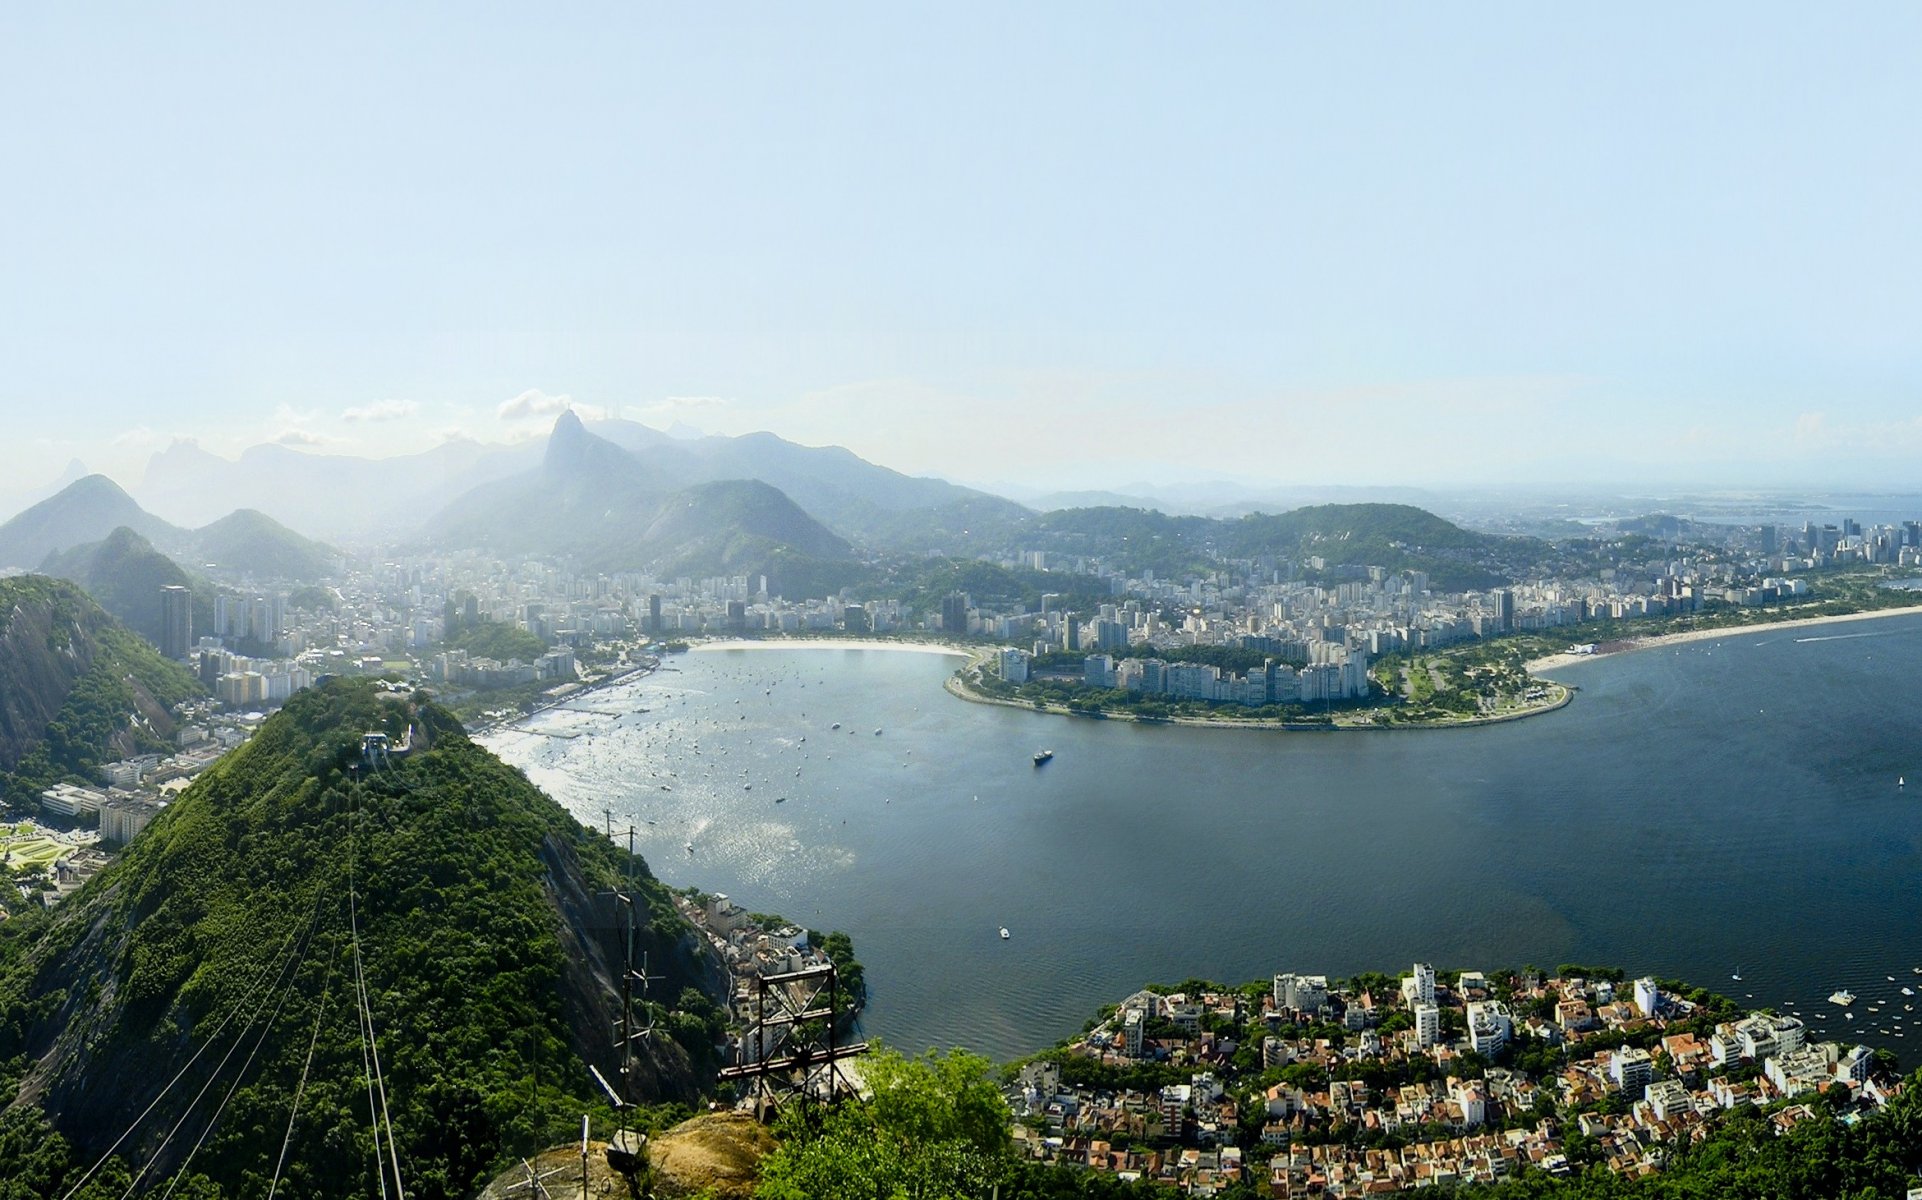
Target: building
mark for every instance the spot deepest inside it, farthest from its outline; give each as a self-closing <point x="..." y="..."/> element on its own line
<point x="1014" y="666"/>
<point x="954" y="613"/>
<point x="71" y="801"/>
<point x="1648" y="997"/>
<point x="1632" y="1070"/>
<point x="1427" y="1025"/>
<point x="122" y="820"/>
<point x="1301" y="993"/>
<point x="1419" y="987"/>
<point x="1502" y="603"/>
<point x="1489" y="1027"/>
<point x="176" y="622"/>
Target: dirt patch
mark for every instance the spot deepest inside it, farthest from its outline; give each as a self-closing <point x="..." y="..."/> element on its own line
<point x="720" y="1153"/>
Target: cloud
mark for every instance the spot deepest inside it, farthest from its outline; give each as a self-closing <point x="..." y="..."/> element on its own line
<point x="299" y="437"/>
<point x="380" y="410"/>
<point x="140" y="437"/>
<point x="534" y="403"/>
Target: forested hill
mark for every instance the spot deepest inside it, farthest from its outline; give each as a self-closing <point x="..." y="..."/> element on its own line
<point x="1395" y="536"/>
<point x="76" y="687"/>
<point x="221" y="952"/>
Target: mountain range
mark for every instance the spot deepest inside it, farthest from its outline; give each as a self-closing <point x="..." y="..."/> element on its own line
<point x="389" y="500"/>
<point x="244" y="543"/>
<point x="596" y="501"/>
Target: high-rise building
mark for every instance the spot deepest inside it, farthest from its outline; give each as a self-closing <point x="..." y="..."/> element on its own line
<point x="1503" y="602"/>
<point x="954" y="613"/>
<point x="176" y="621"/>
<point x="654" y="613"/>
<point x="1427" y="1024"/>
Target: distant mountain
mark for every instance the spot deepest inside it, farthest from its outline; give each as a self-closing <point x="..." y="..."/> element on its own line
<point x="86" y="510"/>
<point x="249" y="542"/>
<point x="592" y="500"/>
<point x="337" y="495"/>
<point x="857" y="498"/>
<point x="1394" y="536"/>
<point x="476" y="908"/>
<point x="76" y="687"/>
<point x="124" y="575"/>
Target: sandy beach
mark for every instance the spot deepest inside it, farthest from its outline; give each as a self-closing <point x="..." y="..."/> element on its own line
<point x="835" y="644"/>
<point x="1555" y="661"/>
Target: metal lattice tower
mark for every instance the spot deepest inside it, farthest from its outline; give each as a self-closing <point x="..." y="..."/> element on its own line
<point x="795" y="1048"/>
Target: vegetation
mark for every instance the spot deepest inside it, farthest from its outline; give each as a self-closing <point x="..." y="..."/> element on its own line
<point x="116" y="704"/>
<point x="460" y="874"/>
<point x="486" y="638"/>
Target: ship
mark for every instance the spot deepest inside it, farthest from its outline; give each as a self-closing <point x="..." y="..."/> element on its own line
<point x="1042" y="756"/>
<point x="1844" y="997"/>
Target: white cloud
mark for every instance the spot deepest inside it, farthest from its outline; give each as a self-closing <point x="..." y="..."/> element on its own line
<point x="534" y="403"/>
<point x="300" y="437"/>
<point x="380" y="410"/>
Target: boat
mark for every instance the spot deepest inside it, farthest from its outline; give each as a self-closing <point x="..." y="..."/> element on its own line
<point x="836" y="725"/>
<point x="877" y="733"/>
<point x="1043" y="756"/>
<point x="1843" y="996"/>
<point x="1737" y="977"/>
<point x="1004" y="933"/>
<point x="690" y="847"/>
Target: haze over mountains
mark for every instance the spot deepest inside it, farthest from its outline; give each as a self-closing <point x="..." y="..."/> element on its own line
<point x="91" y="509"/>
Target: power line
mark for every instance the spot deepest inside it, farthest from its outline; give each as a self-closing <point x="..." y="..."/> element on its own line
<point x="241" y="1074"/>
<point x="253" y="987"/>
<point x="293" y="1113"/>
<point x="373" y="1044"/>
<point x="360" y="1010"/>
<point x="300" y="953"/>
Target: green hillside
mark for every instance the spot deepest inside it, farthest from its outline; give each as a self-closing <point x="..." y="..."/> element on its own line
<point x="248" y="542"/>
<point x="124" y="575"/>
<point x="232" y="921"/>
<point x="76" y="688"/>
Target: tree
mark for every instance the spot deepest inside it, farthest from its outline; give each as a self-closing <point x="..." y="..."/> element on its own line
<point x="932" y="1128"/>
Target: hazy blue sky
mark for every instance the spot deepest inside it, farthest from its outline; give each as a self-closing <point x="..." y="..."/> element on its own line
<point x="1354" y="243"/>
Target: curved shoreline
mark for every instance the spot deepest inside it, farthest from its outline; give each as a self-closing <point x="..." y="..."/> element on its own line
<point x="957" y="686"/>
<point x="1554" y="662"/>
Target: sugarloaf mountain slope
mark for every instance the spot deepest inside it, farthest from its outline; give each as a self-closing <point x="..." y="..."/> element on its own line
<point x="405" y="966"/>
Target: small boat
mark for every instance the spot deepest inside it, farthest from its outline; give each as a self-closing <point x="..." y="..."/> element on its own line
<point x="1737" y="977"/>
<point x="690" y="847"/>
<point x="1004" y="933"/>
<point x="836" y="725"/>
<point x="1843" y="996"/>
<point x="1042" y="756"/>
<point x="780" y="799"/>
<point x="877" y="733"/>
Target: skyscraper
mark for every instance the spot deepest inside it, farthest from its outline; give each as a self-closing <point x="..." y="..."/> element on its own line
<point x="1503" y="602"/>
<point x="954" y="613"/>
<point x="176" y="621"/>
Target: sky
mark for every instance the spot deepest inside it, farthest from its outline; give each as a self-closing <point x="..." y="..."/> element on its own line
<point x="1067" y="245"/>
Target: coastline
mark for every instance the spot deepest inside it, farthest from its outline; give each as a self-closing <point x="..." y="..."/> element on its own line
<point x="1555" y="662"/>
<point x="899" y="647"/>
<point x="956" y="685"/>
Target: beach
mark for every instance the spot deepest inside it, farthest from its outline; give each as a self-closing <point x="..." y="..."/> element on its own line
<point x="836" y="644"/>
<point x="1553" y="662"/>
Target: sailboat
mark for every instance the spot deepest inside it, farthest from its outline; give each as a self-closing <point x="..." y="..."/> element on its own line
<point x="1737" y="976"/>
